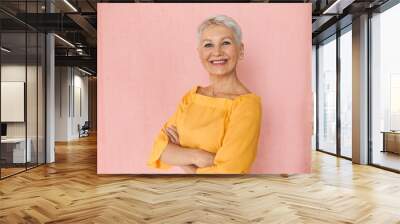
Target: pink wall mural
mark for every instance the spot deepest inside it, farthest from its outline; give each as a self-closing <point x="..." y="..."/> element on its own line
<point x="147" y="61"/>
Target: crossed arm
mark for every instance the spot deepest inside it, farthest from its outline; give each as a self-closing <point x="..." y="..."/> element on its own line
<point x="236" y="154"/>
<point x="188" y="159"/>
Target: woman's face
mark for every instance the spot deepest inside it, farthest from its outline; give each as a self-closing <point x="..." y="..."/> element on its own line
<point x="218" y="50"/>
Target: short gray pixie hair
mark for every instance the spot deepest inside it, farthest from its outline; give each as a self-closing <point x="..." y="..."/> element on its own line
<point x="221" y="20"/>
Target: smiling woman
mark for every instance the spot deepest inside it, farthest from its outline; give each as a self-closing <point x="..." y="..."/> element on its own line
<point x="220" y="45"/>
<point x="215" y="128"/>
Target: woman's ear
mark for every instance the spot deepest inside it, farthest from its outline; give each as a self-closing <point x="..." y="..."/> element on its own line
<point x="241" y="53"/>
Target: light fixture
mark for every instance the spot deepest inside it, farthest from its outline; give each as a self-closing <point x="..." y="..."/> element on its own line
<point x="64" y="40"/>
<point x="79" y="51"/>
<point x="84" y="71"/>
<point x="338" y="6"/>
<point x="5" y="50"/>
<point x="70" y="5"/>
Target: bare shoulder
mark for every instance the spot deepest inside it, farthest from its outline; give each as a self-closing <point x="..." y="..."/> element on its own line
<point x="201" y="89"/>
<point x="242" y="90"/>
<point x="204" y="90"/>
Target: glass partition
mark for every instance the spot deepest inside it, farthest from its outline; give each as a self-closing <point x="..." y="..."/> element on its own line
<point x="385" y="89"/>
<point x="13" y="95"/>
<point x="32" y="95"/>
<point x="41" y="85"/>
<point x="22" y="77"/>
<point x="346" y="93"/>
<point x="327" y="96"/>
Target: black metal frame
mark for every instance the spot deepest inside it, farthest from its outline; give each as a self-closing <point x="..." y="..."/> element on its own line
<point x="26" y="89"/>
<point x="36" y="164"/>
<point x="369" y="83"/>
<point x="45" y="91"/>
<point x="0" y="92"/>
<point x="316" y="97"/>
<point x="37" y="90"/>
<point x="337" y="35"/>
<point x="338" y="76"/>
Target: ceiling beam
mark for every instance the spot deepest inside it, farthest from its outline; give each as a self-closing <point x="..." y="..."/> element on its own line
<point x="85" y="61"/>
<point x="84" y="24"/>
<point x="337" y="6"/>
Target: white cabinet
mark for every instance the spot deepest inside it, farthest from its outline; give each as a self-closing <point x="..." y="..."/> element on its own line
<point x="17" y="145"/>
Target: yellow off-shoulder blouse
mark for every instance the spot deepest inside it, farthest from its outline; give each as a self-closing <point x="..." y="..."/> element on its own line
<point x="230" y="128"/>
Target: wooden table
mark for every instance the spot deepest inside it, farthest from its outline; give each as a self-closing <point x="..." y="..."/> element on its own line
<point x="391" y="141"/>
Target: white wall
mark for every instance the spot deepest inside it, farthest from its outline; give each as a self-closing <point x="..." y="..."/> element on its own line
<point x="80" y="103"/>
<point x="34" y="106"/>
<point x="71" y="93"/>
<point x="62" y="81"/>
<point x="12" y="73"/>
<point x="16" y="73"/>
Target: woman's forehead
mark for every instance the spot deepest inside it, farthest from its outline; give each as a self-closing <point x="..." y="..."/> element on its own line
<point x="216" y="32"/>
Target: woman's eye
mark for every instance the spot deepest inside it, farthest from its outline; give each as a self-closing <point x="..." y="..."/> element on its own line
<point x="208" y="45"/>
<point x="226" y="43"/>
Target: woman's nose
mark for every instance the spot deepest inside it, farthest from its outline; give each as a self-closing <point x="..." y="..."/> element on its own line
<point x="217" y="51"/>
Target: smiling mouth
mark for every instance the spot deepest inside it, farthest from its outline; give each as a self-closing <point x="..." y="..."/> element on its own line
<point x="219" y="62"/>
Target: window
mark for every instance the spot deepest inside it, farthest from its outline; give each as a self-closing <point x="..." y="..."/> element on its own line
<point x="327" y="96"/>
<point x="385" y="88"/>
<point x="346" y="93"/>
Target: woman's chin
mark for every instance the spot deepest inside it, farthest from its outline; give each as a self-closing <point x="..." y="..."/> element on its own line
<point x="218" y="72"/>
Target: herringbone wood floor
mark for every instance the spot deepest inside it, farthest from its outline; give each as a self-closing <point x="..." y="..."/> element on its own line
<point x="69" y="191"/>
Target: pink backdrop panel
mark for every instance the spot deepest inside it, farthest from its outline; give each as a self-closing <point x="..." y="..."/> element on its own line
<point x="147" y="60"/>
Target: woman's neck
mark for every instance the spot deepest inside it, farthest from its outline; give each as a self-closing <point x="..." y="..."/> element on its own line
<point x="224" y="83"/>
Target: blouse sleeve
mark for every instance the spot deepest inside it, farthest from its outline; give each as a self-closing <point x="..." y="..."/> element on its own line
<point x="161" y="140"/>
<point x="240" y="142"/>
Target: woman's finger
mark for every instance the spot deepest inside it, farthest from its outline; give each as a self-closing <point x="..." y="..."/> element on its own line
<point x="174" y="128"/>
<point x="175" y="132"/>
<point x="172" y="136"/>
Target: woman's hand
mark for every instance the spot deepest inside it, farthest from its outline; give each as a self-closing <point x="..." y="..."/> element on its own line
<point x="199" y="157"/>
<point x="189" y="169"/>
<point x="172" y="134"/>
<point x="202" y="158"/>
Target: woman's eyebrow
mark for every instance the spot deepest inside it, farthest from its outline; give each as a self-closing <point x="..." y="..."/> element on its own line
<point x="221" y="38"/>
<point x="228" y="37"/>
<point x="205" y="40"/>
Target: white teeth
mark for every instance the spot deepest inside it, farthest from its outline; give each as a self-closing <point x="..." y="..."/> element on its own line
<point x="218" y="62"/>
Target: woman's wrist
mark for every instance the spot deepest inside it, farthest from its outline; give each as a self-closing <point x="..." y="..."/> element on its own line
<point x="193" y="155"/>
<point x="189" y="169"/>
<point x="178" y="155"/>
<point x="190" y="154"/>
